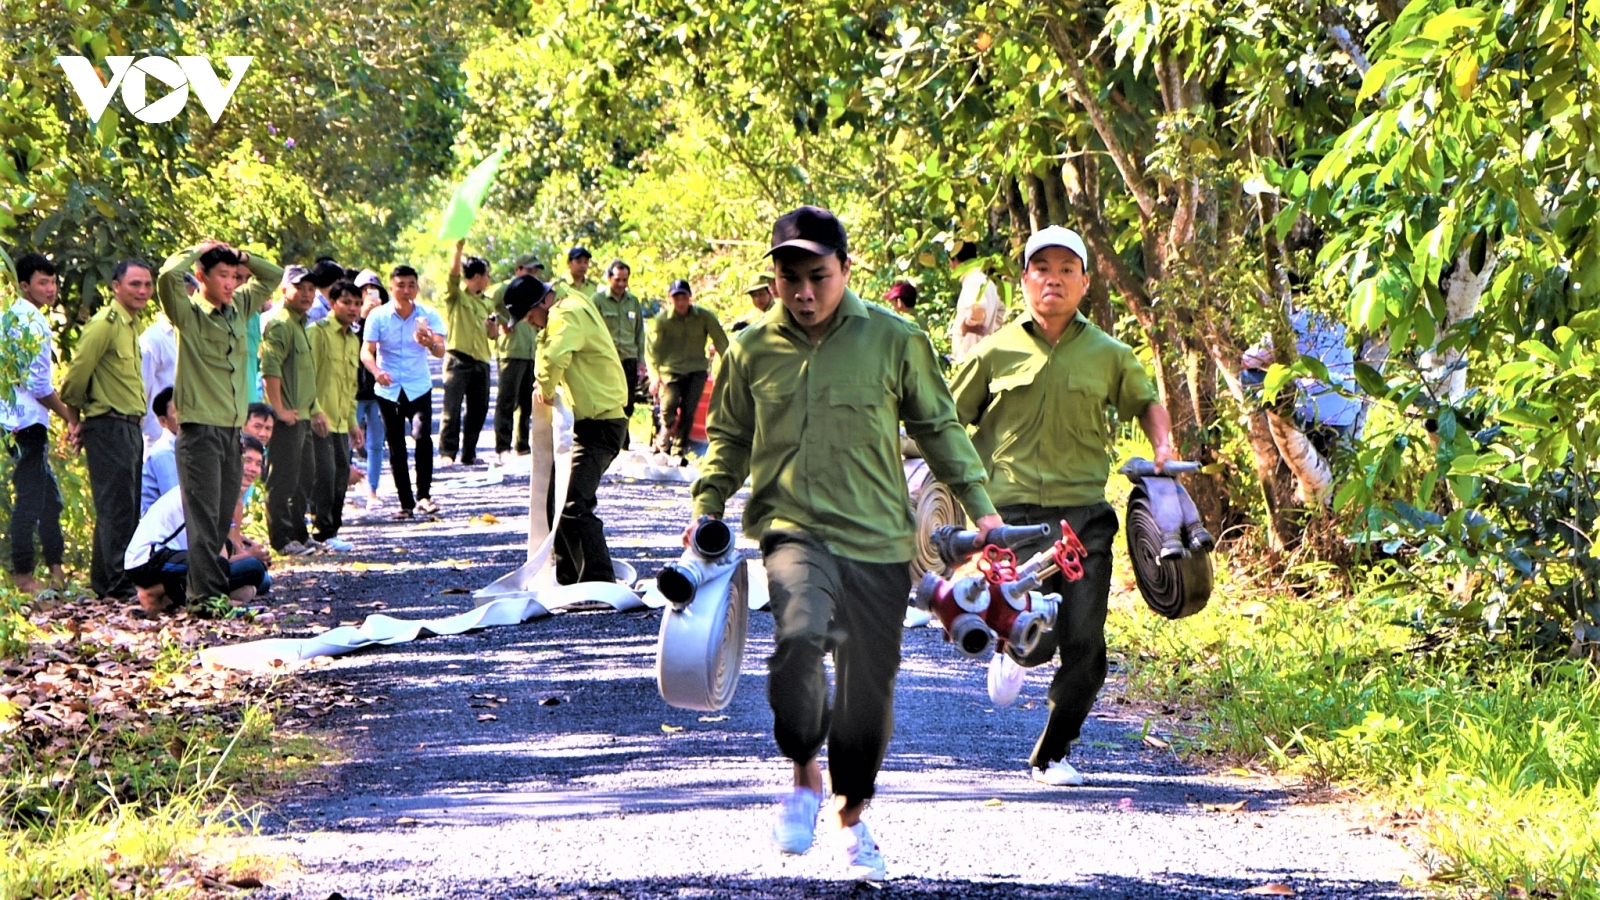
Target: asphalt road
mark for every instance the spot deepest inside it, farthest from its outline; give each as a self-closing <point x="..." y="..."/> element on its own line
<point x="585" y="784"/>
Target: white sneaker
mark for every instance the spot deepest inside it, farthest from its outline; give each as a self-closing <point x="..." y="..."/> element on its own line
<point x="338" y="545"/>
<point x="796" y="827"/>
<point x="862" y="859"/>
<point x="1058" y="774"/>
<point x="374" y="501"/>
<point x="1005" y="679"/>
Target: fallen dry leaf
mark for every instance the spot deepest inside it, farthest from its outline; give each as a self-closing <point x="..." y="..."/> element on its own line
<point x="405" y="820"/>
<point x="1273" y="889"/>
<point x="713" y="718"/>
<point x="1239" y="806"/>
<point x="671" y="729"/>
<point x="488" y="717"/>
<point x="992" y="801"/>
<point x="1151" y="740"/>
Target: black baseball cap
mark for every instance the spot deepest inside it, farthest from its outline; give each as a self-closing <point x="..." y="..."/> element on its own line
<point x="809" y="228"/>
<point x="524" y="293"/>
<point x="679" y="287"/>
<point x="578" y="253"/>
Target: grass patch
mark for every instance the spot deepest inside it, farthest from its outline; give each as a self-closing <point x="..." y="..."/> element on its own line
<point x="122" y="759"/>
<point x="1499" y="751"/>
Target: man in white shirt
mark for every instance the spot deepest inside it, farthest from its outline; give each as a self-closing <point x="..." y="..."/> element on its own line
<point x="37" y="506"/>
<point x="158" y="348"/>
<point x="157" y="559"/>
<point x="160" y="473"/>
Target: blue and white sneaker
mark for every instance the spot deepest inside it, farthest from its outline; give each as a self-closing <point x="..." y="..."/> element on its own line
<point x="862" y="859"/>
<point x="796" y="828"/>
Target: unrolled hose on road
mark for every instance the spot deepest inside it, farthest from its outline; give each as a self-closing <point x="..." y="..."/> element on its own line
<point x="529" y="592"/>
<point x="934" y="505"/>
<point x="1172" y="588"/>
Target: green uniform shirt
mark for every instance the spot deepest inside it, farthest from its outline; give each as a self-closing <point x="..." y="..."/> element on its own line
<point x="565" y="287"/>
<point x="817" y="429"/>
<point x="106" y="373"/>
<point x="575" y="350"/>
<point x="336" y="352"/>
<point x="518" y="340"/>
<point x="210" y="386"/>
<point x="286" y="354"/>
<point x="1040" y="411"/>
<point x="624" y="320"/>
<point x="465" y="315"/>
<point x="677" y="344"/>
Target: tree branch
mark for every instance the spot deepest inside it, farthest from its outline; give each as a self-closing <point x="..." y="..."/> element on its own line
<point x="1126" y="164"/>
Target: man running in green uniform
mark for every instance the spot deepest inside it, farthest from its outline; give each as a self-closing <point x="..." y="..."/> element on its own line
<point x="809" y="402"/>
<point x="677" y="351"/>
<point x="1038" y="391"/>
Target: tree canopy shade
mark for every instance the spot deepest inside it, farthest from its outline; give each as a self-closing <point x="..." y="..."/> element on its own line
<point x="1422" y="175"/>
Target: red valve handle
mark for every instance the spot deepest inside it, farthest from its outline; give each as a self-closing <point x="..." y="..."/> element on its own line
<point x="998" y="564"/>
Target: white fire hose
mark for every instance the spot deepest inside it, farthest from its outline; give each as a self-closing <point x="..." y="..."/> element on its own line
<point x="528" y="592"/>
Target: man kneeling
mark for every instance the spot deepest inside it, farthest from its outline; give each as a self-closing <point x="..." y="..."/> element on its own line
<point x="157" y="559"/>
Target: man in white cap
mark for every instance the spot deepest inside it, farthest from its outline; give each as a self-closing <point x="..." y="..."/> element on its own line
<point x="1039" y="391"/>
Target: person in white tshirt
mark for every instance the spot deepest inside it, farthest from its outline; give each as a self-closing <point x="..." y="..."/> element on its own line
<point x="157" y="558"/>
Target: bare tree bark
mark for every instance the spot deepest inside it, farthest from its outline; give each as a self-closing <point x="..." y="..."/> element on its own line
<point x="1463" y="290"/>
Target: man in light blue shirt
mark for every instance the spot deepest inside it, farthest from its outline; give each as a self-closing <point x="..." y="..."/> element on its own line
<point x="399" y="338"/>
<point x="160" y="473"/>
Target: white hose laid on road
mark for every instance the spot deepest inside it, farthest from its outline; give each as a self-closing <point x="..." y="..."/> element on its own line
<point x="529" y="592"/>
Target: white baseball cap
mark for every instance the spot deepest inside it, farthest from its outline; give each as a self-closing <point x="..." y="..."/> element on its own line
<point x="1055" y="236"/>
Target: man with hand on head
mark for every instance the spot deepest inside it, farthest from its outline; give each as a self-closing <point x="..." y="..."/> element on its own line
<point x="211" y="391"/>
<point x="677" y="352"/>
<point x="808" y="403"/>
<point x="289" y="377"/>
<point x="106" y="386"/>
<point x="576" y="354"/>
<point x="1039" y="391"/>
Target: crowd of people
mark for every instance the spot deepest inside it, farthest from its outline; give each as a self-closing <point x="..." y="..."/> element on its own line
<point x="812" y="391"/>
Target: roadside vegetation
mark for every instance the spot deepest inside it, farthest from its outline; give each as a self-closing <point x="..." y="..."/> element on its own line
<point x="1412" y="613"/>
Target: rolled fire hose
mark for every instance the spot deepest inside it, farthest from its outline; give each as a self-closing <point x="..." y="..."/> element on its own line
<point x="1176" y="586"/>
<point x="701" y="644"/>
<point x="934" y="505"/>
<point x="529" y="592"/>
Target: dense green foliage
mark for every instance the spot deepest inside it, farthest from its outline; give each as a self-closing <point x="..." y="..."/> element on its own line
<point x="1426" y="174"/>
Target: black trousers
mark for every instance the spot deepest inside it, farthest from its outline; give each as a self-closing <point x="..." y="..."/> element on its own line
<point x="1080" y="632"/>
<point x="580" y="547"/>
<point x="419" y="414"/>
<point x="288" y="479"/>
<point x="680" y="398"/>
<point x="210" y="471"/>
<point x="464" y="378"/>
<point x="856" y="610"/>
<point x="514" y="399"/>
<point x="38" y="501"/>
<point x="630" y="378"/>
<point x="330" y="458"/>
<point x="114" y="450"/>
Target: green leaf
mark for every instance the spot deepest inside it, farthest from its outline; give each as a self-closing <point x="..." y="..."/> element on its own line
<point x="1377" y="77"/>
<point x="1446" y="23"/>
